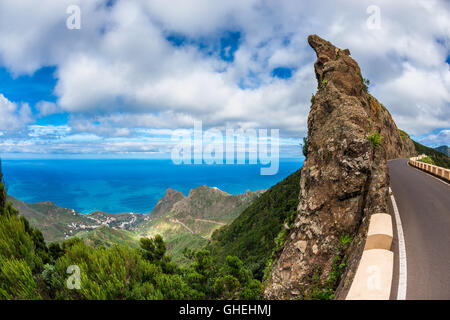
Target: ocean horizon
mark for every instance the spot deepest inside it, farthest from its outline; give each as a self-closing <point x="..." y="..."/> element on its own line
<point x="127" y="185"/>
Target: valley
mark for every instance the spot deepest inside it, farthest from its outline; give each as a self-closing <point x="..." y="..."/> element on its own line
<point x="183" y="221"/>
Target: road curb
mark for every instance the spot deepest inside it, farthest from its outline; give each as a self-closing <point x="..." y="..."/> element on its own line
<point x="373" y="278"/>
<point x="380" y="232"/>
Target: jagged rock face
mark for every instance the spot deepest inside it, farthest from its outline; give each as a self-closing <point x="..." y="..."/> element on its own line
<point x="344" y="178"/>
<point x="206" y="202"/>
<point x="397" y="143"/>
<point x="166" y="203"/>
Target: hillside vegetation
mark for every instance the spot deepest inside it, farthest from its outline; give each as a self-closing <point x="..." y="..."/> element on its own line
<point x="184" y="222"/>
<point x="29" y="269"/>
<point x="105" y="236"/>
<point x="253" y="235"/>
<point x="438" y="158"/>
<point x="190" y="221"/>
<point x="444" y="149"/>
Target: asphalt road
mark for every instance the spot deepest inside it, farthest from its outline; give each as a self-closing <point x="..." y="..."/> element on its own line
<point x="423" y="203"/>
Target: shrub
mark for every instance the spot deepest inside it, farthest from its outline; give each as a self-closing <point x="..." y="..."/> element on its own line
<point x="305" y="146"/>
<point x="16" y="280"/>
<point x="366" y="83"/>
<point x="375" y="139"/>
<point x="251" y="236"/>
<point x="427" y="159"/>
<point x="345" y="239"/>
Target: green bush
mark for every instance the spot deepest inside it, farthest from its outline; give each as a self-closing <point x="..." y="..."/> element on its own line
<point x="426" y="159"/>
<point x="375" y="139"/>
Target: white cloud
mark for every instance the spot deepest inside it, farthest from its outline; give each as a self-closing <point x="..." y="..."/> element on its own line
<point x="438" y="139"/>
<point x="119" y="72"/>
<point x="12" y="116"/>
<point x="46" y="108"/>
<point x="48" y="130"/>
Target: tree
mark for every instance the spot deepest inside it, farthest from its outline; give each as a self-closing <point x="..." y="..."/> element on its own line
<point x="6" y="207"/>
<point x="55" y="251"/>
<point x="235" y="281"/>
<point x="305" y="146"/>
<point x="200" y="275"/>
<point x="154" y="249"/>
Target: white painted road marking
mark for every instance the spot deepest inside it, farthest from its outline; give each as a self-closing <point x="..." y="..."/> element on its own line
<point x="402" y="276"/>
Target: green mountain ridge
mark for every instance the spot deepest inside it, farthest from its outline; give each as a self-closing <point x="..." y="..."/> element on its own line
<point x="32" y="270"/>
<point x="252" y="236"/>
<point x="440" y="159"/>
<point x="106" y="236"/>
<point x="444" y="149"/>
<point x="58" y="223"/>
<point x="182" y="221"/>
<point x="189" y="222"/>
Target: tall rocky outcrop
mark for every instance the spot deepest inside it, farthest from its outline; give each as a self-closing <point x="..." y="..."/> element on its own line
<point x="344" y="178"/>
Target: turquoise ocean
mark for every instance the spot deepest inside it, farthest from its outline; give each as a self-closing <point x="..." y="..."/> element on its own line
<point x="127" y="185"/>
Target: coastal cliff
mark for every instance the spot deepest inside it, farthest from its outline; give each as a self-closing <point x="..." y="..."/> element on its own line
<point x="344" y="179"/>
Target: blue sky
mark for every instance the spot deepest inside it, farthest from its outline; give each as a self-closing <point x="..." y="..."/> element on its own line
<point x="138" y="70"/>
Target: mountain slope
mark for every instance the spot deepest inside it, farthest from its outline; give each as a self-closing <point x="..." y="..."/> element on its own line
<point x="439" y="158"/>
<point x="444" y="149"/>
<point x="58" y="223"/>
<point x="106" y="236"/>
<point x="251" y="236"/>
<point x="182" y="221"/>
<point x="190" y="221"/>
<point x="166" y="203"/>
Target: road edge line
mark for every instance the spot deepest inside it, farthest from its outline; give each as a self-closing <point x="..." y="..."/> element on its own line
<point x="402" y="273"/>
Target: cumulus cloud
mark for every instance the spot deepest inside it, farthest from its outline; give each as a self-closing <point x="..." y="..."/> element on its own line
<point x="122" y="71"/>
<point x="438" y="139"/>
<point x="13" y="117"/>
<point x="46" y="108"/>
